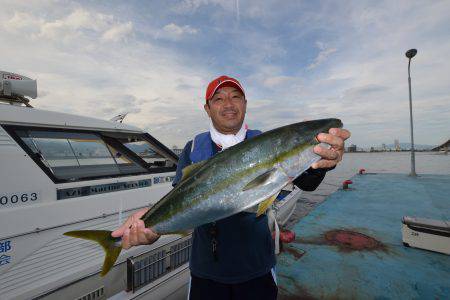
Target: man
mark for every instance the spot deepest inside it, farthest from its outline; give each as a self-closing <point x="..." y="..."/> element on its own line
<point x="232" y="258"/>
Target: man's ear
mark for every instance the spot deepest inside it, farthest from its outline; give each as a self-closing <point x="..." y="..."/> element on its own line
<point x="206" y="107"/>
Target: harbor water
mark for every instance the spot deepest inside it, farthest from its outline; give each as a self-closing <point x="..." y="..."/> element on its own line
<point x="372" y="162"/>
<point x="393" y="162"/>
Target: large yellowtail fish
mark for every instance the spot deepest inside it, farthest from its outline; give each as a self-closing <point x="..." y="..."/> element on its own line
<point x="249" y="173"/>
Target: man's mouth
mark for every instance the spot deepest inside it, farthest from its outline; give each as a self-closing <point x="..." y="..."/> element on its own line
<point x="229" y="114"/>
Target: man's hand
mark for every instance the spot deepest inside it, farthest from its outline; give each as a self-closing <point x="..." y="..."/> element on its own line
<point x="331" y="157"/>
<point x="134" y="233"/>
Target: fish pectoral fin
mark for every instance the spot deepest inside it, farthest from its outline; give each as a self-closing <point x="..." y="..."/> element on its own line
<point x="104" y="238"/>
<point x="260" y="180"/>
<point x="263" y="206"/>
<point x="187" y="171"/>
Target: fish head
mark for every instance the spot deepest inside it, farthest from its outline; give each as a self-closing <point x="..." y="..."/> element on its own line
<point x="306" y="132"/>
<point x="298" y="141"/>
<point x="294" y="138"/>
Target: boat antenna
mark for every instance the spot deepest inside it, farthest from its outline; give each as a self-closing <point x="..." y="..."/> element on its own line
<point x="119" y="118"/>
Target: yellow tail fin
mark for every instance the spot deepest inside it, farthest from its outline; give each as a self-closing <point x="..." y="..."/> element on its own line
<point x="104" y="238"/>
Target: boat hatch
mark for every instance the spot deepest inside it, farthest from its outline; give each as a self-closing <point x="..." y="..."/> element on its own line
<point x="94" y="295"/>
<point x="70" y="155"/>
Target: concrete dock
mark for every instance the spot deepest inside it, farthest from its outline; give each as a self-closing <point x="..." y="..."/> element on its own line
<point x="350" y="246"/>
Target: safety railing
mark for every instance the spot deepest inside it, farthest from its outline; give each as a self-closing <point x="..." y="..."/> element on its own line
<point x="148" y="267"/>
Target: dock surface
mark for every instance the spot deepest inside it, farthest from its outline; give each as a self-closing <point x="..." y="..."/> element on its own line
<point x="350" y="246"/>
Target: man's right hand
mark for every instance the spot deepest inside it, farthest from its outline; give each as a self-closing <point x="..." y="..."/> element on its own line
<point x="134" y="233"/>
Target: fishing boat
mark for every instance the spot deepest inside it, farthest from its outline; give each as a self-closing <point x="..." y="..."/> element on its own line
<point x="61" y="172"/>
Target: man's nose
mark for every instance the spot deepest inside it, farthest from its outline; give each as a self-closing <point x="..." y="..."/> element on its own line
<point x="227" y="101"/>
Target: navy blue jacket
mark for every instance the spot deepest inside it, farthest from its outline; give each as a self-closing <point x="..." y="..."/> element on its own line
<point x="245" y="248"/>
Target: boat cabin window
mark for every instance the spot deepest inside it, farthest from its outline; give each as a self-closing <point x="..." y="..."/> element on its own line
<point x="68" y="156"/>
<point x="71" y="156"/>
<point x="145" y="151"/>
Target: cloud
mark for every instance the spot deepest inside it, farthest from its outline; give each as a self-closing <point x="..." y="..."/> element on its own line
<point x="369" y="90"/>
<point x="77" y="24"/>
<point x="74" y="24"/>
<point x="323" y="54"/>
<point x="174" y="32"/>
<point x="22" y="22"/>
<point x="118" y="32"/>
<point x="274" y="81"/>
<point x="192" y="6"/>
<point x="83" y="69"/>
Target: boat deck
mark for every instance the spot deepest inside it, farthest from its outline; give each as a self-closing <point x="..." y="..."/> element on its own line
<point x="350" y="246"/>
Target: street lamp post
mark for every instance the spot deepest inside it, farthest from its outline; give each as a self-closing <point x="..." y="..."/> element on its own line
<point x="410" y="54"/>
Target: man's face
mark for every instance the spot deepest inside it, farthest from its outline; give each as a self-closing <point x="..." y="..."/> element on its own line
<point x="227" y="109"/>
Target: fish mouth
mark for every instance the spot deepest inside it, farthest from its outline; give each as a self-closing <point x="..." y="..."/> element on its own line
<point x="327" y="124"/>
<point x="314" y="127"/>
<point x="337" y="123"/>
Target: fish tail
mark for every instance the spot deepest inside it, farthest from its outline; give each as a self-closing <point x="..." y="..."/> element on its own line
<point x="110" y="245"/>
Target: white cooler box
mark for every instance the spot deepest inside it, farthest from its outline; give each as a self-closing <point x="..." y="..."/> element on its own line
<point x="433" y="235"/>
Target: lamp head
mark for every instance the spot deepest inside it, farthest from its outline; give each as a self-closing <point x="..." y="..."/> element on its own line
<point x="411" y="53"/>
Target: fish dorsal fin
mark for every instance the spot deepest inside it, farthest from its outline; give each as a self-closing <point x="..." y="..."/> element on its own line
<point x="259" y="180"/>
<point x="263" y="206"/>
<point x="187" y="171"/>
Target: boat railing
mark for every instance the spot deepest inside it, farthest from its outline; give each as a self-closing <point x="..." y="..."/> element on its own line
<point x="150" y="266"/>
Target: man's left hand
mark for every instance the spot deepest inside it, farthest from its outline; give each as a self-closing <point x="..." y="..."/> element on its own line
<point x="331" y="157"/>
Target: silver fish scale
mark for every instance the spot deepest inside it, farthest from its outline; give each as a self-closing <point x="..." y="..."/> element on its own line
<point x="224" y="204"/>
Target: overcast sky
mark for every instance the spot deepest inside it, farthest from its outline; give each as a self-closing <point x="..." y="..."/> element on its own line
<point x="297" y="60"/>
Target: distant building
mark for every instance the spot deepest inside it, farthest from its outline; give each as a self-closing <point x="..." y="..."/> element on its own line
<point x="397" y="145"/>
<point x="177" y="150"/>
<point x="444" y="147"/>
<point x="383" y="147"/>
<point x="351" y="148"/>
<point x="372" y="149"/>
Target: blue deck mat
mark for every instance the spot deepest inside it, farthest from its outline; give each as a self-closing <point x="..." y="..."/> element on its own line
<point x="312" y="268"/>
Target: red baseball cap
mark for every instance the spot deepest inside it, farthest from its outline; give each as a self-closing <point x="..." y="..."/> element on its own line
<point x="219" y="82"/>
